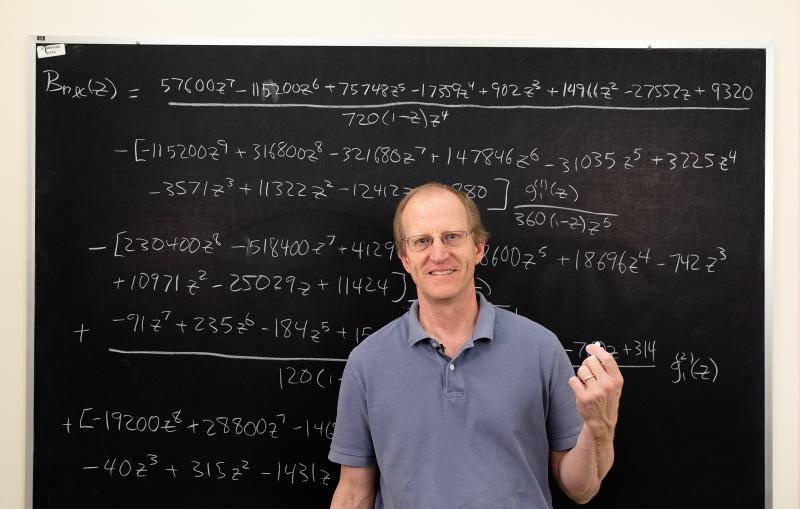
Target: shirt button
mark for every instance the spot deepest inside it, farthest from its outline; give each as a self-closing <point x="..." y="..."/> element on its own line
<point x="452" y="367"/>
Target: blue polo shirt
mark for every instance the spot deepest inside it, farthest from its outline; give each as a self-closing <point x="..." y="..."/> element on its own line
<point x="473" y="431"/>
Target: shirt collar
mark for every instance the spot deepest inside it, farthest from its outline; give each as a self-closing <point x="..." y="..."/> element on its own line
<point x="484" y="325"/>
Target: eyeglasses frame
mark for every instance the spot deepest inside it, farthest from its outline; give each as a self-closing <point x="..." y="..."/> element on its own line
<point x="440" y="237"/>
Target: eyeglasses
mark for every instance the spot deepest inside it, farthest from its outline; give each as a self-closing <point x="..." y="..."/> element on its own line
<point x="419" y="243"/>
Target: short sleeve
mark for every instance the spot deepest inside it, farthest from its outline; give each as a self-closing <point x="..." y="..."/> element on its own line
<point x="352" y="440"/>
<point x="564" y="422"/>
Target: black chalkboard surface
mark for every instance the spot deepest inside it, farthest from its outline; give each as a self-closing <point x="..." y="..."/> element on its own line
<point x="212" y="238"/>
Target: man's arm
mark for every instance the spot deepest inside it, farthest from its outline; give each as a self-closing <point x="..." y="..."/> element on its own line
<point x="356" y="489"/>
<point x="598" y="387"/>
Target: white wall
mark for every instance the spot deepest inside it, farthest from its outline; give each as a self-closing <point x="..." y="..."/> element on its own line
<point x="681" y="21"/>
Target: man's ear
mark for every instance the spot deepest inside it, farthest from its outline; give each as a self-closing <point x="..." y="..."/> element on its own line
<point x="479" y="251"/>
<point x="405" y="261"/>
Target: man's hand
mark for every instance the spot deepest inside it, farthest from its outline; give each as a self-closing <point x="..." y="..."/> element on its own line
<point x="598" y="388"/>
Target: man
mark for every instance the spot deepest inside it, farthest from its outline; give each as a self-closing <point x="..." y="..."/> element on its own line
<point x="459" y="404"/>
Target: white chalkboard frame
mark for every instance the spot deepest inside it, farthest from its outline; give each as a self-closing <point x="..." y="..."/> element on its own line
<point x="768" y="46"/>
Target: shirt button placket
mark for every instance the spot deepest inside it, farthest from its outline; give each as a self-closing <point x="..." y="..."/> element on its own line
<point x="455" y="385"/>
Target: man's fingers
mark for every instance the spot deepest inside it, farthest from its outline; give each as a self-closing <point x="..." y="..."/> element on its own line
<point x="605" y="359"/>
<point x="595" y="367"/>
<point x="577" y="386"/>
<point x="585" y="375"/>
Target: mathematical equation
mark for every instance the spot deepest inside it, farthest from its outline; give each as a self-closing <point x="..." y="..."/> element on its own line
<point x="144" y="150"/>
<point x="691" y="367"/>
<point x="686" y="367"/>
<point x="127" y="244"/>
<point x="154" y="466"/>
<point x="639" y="351"/>
<point x="276" y="328"/>
<point x="534" y="91"/>
<point x="177" y="422"/>
<point x="393" y="286"/>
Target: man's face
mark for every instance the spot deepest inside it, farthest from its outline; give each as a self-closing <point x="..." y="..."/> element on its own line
<point x="442" y="274"/>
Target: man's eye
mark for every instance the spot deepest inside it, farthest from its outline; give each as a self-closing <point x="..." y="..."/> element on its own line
<point x="424" y="241"/>
<point x="451" y="236"/>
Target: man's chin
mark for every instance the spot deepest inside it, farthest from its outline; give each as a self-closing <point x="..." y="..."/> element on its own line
<point x="441" y="295"/>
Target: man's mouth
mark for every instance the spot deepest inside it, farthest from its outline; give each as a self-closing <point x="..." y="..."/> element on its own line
<point x="441" y="272"/>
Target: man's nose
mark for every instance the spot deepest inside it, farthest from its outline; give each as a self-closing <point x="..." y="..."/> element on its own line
<point x="438" y="250"/>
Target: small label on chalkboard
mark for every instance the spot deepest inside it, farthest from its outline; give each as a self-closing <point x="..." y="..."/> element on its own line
<point x="51" y="50"/>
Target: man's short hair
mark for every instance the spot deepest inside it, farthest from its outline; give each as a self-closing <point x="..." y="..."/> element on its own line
<point x="479" y="233"/>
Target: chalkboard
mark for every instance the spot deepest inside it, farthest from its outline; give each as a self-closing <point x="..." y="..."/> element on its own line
<point x="212" y="238"/>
